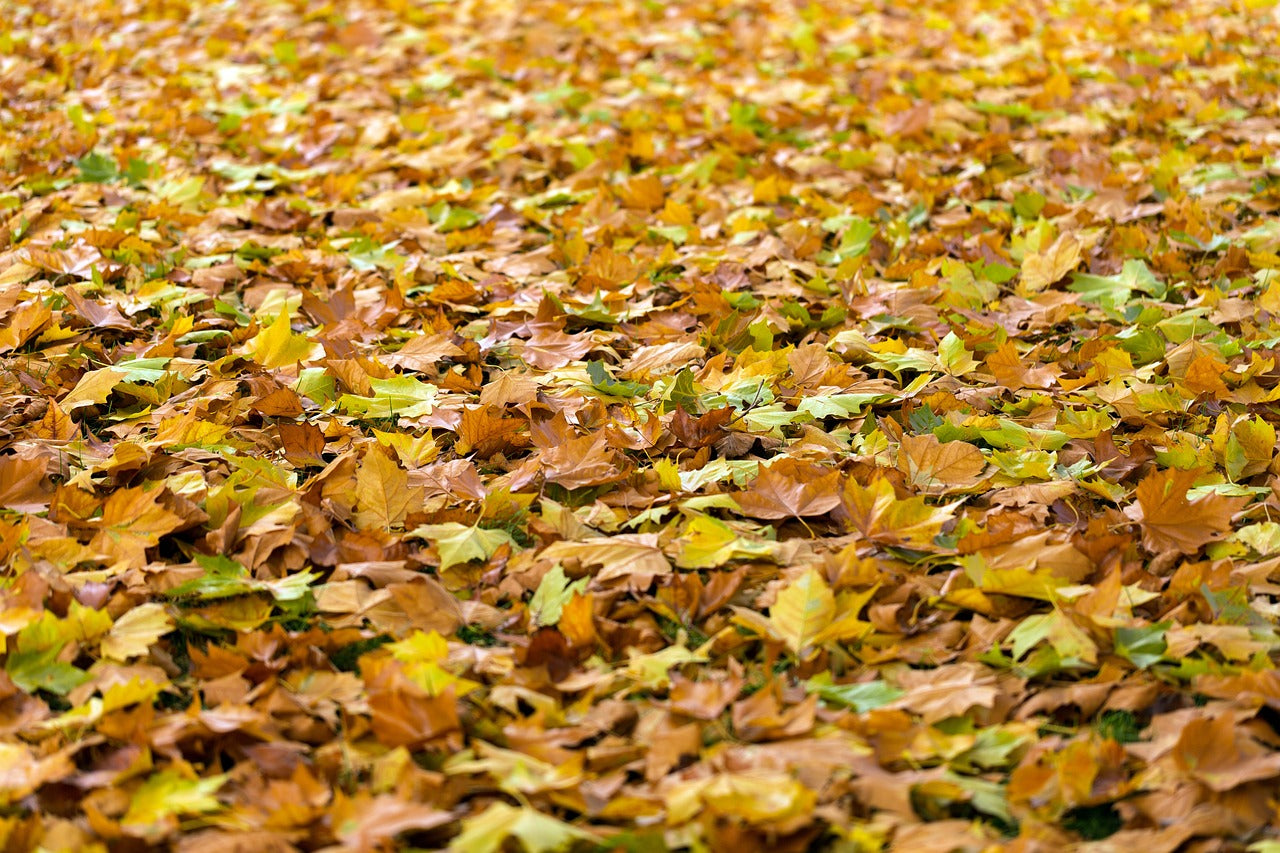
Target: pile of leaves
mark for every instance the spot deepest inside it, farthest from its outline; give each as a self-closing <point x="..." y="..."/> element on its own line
<point x="613" y="424"/>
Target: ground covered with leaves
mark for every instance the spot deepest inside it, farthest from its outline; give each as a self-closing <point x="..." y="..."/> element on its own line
<point x="632" y="425"/>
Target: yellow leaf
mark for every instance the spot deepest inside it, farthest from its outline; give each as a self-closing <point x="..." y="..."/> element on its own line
<point x="458" y="543"/>
<point x="93" y="388"/>
<point x="1041" y="269"/>
<point x="135" y="631"/>
<point x="802" y="610"/>
<point x="166" y="795"/>
<point x="277" y="345"/>
<point x="382" y="492"/>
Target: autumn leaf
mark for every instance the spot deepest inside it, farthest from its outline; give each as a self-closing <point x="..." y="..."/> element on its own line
<point x="629" y="555"/>
<point x="803" y="610"/>
<point x="1170" y="521"/>
<point x="876" y="512"/>
<point x="460" y="543"/>
<point x="277" y="345"/>
<point x="382" y="492"/>
<point x="1041" y="269"/>
<point x="134" y="632"/>
<point x="633" y="425"/>
<point x="132" y="521"/>
<point x="790" y="489"/>
<point x="537" y="833"/>
<point x="938" y="468"/>
<point x="165" y="796"/>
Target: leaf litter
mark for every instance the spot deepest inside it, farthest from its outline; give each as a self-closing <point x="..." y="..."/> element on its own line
<point x="639" y="426"/>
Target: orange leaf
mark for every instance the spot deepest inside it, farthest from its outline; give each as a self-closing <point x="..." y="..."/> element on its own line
<point x="938" y="468"/>
<point x="789" y="488"/>
<point x="1171" y="522"/>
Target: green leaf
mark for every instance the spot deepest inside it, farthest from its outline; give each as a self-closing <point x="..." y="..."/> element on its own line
<point x="41" y="670"/>
<point x="839" y="405"/>
<point x="953" y="357"/>
<point x="553" y="593"/>
<point x="396" y="397"/>
<point x="460" y="543"/>
<point x="97" y="168"/>
<point x="169" y="794"/>
<point x="1142" y="646"/>
<point x="862" y="697"/>
<point x="606" y="384"/>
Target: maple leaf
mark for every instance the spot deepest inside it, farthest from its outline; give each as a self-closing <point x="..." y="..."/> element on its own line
<point x="627" y="555"/>
<point x="487" y="431"/>
<point x="277" y="346"/>
<point x="583" y="461"/>
<point x="488" y="831"/>
<point x="876" y="512"/>
<point x="271" y="370"/>
<point x="403" y="713"/>
<point x="22" y="483"/>
<point x="460" y="543"/>
<point x="1170" y="521"/>
<point x="383" y="495"/>
<point x="134" y="632"/>
<point x="1041" y="269"/>
<point x="164" y="796"/>
<point x="1214" y="751"/>
<point x="789" y="488"/>
<point x="803" y="610"/>
<point x="132" y="521"/>
<point x="939" y="468"/>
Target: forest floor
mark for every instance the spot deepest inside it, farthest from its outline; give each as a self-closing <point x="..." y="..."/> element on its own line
<point x="630" y="425"/>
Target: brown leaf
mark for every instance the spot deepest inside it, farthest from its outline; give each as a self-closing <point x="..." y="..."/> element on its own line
<point x="403" y="714"/>
<point x="1221" y="756"/>
<point x="789" y="488"/>
<point x="584" y="461"/>
<point x="22" y="483"/>
<point x="302" y="443"/>
<point x="1171" y="522"/>
<point x="486" y="430"/>
<point x="703" y="431"/>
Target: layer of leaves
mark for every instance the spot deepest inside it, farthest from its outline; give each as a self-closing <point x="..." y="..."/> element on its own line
<point x="639" y="425"/>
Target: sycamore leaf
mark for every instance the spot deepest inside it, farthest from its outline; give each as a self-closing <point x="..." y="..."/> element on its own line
<point x="553" y="593"/>
<point x="460" y="543"/>
<point x="167" y="795"/>
<point x="789" y="488"/>
<point x="629" y="555"/>
<point x="382" y="492"/>
<point x="860" y="696"/>
<point x="708" y="542"/>
<point x="40" y="669"/>
<point x="1171" y="522"/>
<point x="953" y="358"/>
<point x="753" y="796"/>
<point x="135" y="631"/>
<point x="939" y="468"/>
<point x="876" y="512"/>
<point x="276" y="345"/>
<point x="536" y="832"/>
<point x="93" y="389"/>
<point x="803" y="610"/>
<point x="1041" y="269"/>
<point x="132" y="521"/>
